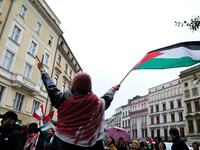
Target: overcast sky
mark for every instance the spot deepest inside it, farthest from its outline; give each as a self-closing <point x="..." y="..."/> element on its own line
<point x="108" y="37"/>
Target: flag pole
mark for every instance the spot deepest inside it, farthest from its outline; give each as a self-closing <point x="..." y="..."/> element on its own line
<point x="125" y="77"/>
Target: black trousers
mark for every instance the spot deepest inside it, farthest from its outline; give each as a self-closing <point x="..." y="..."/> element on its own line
<point x="58" y="144"/>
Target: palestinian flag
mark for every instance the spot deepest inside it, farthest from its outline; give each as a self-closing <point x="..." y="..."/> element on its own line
<point x="150" y="142"/>
<point x="51" y="140"/>
<point x="39" y="115"/>
<point x="177" y="55"/>
<point x="48" y="118"/>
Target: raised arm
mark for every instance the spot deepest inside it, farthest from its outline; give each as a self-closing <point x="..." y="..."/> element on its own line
<point x="109" y="95"/>
<point x="56" y="97"/>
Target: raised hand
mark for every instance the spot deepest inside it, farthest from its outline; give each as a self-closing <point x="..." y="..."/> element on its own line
<point x="40" y="63"/>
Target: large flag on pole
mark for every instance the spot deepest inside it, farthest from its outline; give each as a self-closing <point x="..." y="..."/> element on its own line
<point x="39" y="115"/>
<point x="177" y="55"/>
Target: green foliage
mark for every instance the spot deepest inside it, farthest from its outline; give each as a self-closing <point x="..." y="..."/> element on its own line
<point x="192" y="25"/>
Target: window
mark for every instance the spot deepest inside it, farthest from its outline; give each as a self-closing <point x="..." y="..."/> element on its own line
<point x="2" y="89"/>
<point x="172" y="91"/>
<point x="165" y="94"/>
<point x="152" y="120"/>
<point x="135" y="120"/>
<point x="50" y="108"/>
<point x="151" y="109"/>
<point x="1" y="1"/>
<point x="142" y="119"/>
<point x="198" y="125"/>
<point x="23" y="11"/>
<point x="150" y="98"/>
<point x="59" y="59"/>
<point x="32" y="48"/>
<point x="157" y="108"/>
<point x="7" y="60"/>
<point x="144" y="105"/>
<point x="158" y="132"/>
<point x="128" y="122"/>
<point x="188" y="107"/>
<point x="133" y="108"/>
<point x="122" y="123"/>
<point x="50" y="40"/>
<point x="164" y="106"/>
<point x="66" y="68"/>
<point x="190" y="125"/>
<point x="153" y="97"/>
<point x="187" y="93"/>
<point x="18" y="102"/>
<point x="182" y="132"/>
<point x="197" y="106"/>
<point x="46" y="59"/>
<point x="63" y="87"/>
<point x="185" y="84"/>
<point x="194" y="91"/>
<point x="179" y="103"/>
<point x="56" y="79"/>
<point x="165" y="134"/>
<point x="38" y="28"/>
<point x="35" y="106"/>
<point x="168" y="93"/>
<point x="158" y="95"/>
<point x="41" y="82"/>
<point x="172" y="118"/>
<point x="180" y="90"/>
<point x="162" y="96"/>
<point x="70" y="73"/>
<point x="145" y="119"/>
<point x="176" y="91"/>
<point x="165" y="118"/>
<point x="172" y="105"/>
<point x="27" y="71"/>
<point x="180" y="116"/>
<point x="126" y="113"/>
<point x="152" y="133"/>
<point x="158" y="119"/>
<point x="15" y="34"/>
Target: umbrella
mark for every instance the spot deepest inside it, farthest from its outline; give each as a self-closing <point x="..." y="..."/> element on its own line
<point x="116" y="133"/>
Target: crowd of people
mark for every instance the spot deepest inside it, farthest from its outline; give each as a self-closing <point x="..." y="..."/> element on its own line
<point x="80" y="122"/>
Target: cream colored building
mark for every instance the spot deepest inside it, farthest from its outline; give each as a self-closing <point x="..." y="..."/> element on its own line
<point x="166" y="110"/>
<point x="28" y="28"/>
<point x="191" y="96"/>
<point x="65" y="67"/>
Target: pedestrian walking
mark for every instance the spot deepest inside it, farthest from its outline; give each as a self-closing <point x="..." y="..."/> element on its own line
<point x="81" y="117"/>
<point x="178" y="144"/>
<point x="10" y="137"/>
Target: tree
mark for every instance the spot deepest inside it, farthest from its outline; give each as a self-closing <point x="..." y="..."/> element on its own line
<point x="192" y="25"/>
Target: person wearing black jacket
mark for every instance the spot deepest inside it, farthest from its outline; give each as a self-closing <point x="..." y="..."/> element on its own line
<point x="10" y="137"/>
<point x="178" y="144"/>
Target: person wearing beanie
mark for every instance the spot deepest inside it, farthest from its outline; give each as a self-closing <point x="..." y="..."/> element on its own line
<point x="134" y="145"/>
<point x="81" y="117"/>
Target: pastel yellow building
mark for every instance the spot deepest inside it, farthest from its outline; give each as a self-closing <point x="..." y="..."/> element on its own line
<point x="191" y="87"/>
<point x="28" y="28"/>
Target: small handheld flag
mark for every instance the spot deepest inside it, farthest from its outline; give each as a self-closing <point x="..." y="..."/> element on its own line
<point x="39" y="115"/>
<point x="150" y="142"/>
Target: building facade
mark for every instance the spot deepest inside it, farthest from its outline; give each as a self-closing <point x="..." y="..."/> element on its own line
<point x="118" y="116"/>
<point x="28" y="28"/>
<point x="126" y="125"/>
<point x="191" y="89"/>
<point x="139" y="117"/>
<point x="166" y="109"/>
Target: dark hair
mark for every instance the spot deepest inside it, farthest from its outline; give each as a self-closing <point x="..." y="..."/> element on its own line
<point x="113" y="141"/>
<point x="118" y="142"/>
<point x="51" y="129"/>
<point x="142" y="144"/>
<point x="196" y="143"/>
<point x="174" y="132"/>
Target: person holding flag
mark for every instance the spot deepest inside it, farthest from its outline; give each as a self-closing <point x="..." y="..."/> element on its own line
<point x="81" y="117"/>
